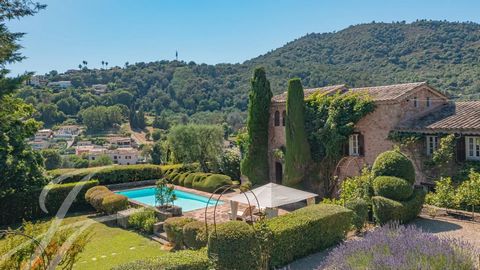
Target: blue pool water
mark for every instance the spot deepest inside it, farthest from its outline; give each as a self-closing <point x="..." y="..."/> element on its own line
<point x="186" y="200"/>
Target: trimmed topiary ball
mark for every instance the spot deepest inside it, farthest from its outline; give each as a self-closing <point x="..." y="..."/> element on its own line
<point x="113" y="203"/>
<point x="188" y="180"/>
<point x="234" y="246"/>
<point x="194" y="235"/>
<point x="88" y="194"/>
<point x="392" y="188"/>
<point x="394" y="163"/>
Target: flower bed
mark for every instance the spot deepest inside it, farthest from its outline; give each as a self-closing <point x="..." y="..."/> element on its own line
<point x="393" y="247"/>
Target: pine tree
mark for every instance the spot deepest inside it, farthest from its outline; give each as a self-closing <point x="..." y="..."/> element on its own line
<point x="255" y="163"/>
<point x="297" y="156"/>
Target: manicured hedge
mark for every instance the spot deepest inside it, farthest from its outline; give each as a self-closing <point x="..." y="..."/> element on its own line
<point x="360" y="212"/>
<point x="394" y="163"/>
<point x="188" y="182"/>
<point x="180" y="260"/>
<point x="57" y="193"/>
<point x="194" y="235"/>
<point x="143" y="220"/>
<point x="116" y="174"/>
<point x="104" y="200"/>
<point x="174" y="229"/>
<point x="234" y="246"/>
<point x="306" y="231"/>
<point x="392" y="188"/>
<point x="385" y="210"/>
<point x="212" y="182"/>
<point x="25" y="205"/>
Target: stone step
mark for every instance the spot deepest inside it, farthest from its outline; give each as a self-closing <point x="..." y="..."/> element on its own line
<point x="160" y="240"/>
<point x="158" y="227"/>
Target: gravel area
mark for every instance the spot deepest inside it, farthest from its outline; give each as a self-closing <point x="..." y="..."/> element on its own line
<point x="442" y="226"/>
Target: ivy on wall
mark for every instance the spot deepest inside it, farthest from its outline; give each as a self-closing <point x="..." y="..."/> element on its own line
<point x="329" y="121"/>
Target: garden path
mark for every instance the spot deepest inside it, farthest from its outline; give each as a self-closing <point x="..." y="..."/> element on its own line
<point x="441" y="226"/>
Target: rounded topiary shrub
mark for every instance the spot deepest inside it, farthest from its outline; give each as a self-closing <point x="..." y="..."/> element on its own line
<point x="212" y="182"/>
<point x="394" y="163"/>
<point x="181" y="179"/>
<point x="392" y="188"/>
<point x="360" y="212"/>
<point x="189" y="180"/>
<point x="234" y="246"/>
<point x="113" y="203"/>
<point x="194" y="235"/>
<point x="174" y="229"/>
<point x="90" y="191"/>
<point x="96" y="198"/>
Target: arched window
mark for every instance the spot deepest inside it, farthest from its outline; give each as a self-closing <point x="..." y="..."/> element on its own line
<point x="284" y="117"/>
<point x="277" y="118"/>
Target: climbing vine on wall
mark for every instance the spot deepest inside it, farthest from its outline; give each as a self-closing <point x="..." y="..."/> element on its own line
<point x="329" y="121"/>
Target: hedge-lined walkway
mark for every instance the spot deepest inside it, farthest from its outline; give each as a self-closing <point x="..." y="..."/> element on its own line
<point x="441" y="226"/>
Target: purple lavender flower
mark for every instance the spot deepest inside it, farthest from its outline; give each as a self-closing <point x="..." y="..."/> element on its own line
<point x="395" y="247"/>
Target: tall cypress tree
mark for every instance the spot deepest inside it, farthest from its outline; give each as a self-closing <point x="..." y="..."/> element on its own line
<point x="297" y="156"/>
<point x="255" y="163"/>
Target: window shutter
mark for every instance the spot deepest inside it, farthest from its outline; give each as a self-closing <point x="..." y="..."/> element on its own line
<point x="361" y="145"/>
<point x="461" y="151"/>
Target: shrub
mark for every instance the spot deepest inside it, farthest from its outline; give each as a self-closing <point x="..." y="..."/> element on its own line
<point x="357" y="187"/>
<point x="360" y="212"/>
<point x="444" y="195"/>
<point x="394" y="163"/>
<point x="90" y="191"/>
<point x="96" y="198"/>
<point x="307" y="230"/>
<point x="176" y="178"/>
<point x="212" y="182"/>
<point x="230" y="163"/>
<point x="57" y="194"/>
<point x="114" y="174"/>
<point x="181" y="179"/>
<point x="392" y="188"/>
<point x="113" y="203"/>
<point x="234" y="246"/>
<point x="402" y="248"/>
<point x="174" y="229"/>
<point x="180" y="260"/>
<point x="188" y="182"/>
<point x="194" y="235"/>
<point x="385" y="210"/>
<point x="143" y="220"/>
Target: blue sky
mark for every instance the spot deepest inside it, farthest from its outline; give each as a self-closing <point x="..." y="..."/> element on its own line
<point x="204" y="31"/>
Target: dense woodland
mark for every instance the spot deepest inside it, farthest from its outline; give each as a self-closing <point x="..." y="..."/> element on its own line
<point x="445" y="54"/>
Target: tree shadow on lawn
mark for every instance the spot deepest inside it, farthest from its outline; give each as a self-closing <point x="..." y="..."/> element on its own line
<point x="434" y="225"/>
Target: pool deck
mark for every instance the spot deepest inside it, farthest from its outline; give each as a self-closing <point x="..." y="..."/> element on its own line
<point x="222" y="210"/>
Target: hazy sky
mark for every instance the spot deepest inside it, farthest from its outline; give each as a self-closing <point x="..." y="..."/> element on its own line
<point x="204" y="31"/>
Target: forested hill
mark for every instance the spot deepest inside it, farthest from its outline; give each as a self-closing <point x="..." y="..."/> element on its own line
<point x="443" y="53"/>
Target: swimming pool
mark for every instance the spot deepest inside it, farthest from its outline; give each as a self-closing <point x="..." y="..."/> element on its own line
<point x="188" y="201"/>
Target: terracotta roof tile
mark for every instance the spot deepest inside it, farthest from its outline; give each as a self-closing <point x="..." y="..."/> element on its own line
<point x="378" y="93"/>
<point x="308" y="92"/>
<point x="463" y="116"/>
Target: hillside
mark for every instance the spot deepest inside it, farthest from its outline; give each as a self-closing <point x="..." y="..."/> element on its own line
<point x="445" y="54"/>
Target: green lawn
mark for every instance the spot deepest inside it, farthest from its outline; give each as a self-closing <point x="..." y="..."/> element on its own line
<point x="110" y="246"/>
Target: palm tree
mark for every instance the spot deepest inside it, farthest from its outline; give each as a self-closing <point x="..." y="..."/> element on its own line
<point x="80" y="66"/>
<point x="126" y="64"/>
<point x="106" y="65"/>
<point x="85" y="63"/>
<point x="103" y="63"/>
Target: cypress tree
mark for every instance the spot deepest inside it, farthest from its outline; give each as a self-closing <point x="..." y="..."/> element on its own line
<point x="297" y="156"/>
<point x="255" y="163"/>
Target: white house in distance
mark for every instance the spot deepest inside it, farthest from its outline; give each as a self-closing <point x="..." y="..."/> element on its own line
<point x="120" y="156"/>
<point x="60" y="84"/>
<point x="43" y="134"/>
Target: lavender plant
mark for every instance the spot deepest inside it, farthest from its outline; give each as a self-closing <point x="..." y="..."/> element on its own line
<point x="398" y="247"/>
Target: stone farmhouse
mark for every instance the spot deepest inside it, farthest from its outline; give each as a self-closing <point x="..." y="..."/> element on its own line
<point x="410" y="107"/>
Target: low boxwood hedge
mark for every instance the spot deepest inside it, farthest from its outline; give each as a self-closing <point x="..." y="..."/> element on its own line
<point x="174" y="229"/>
<point x="392" y="188"/>
<point x="234" y="245"/>
<point x="104" y="200"/>
<point x="194" y="235"/>
<point x="116" y="174"/>
<point x="188" y="182"/>
<point x="57" y="194"/>
<point x="394" y="163"/>
<point x="360" y="212"/>
<point x="306" y="231"/>
<point x="385" y="210"/>
<point x="180" y="260"/>
<point x="212" y="182"/>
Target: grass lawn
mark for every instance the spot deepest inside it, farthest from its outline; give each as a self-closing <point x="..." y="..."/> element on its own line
<point x="110" y="246"/>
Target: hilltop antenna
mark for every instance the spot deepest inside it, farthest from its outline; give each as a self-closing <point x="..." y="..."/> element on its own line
<point x="176" y="55"/>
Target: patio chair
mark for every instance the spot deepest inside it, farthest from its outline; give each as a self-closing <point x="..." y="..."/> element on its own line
<point x="246" y="214"/>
